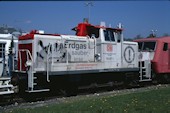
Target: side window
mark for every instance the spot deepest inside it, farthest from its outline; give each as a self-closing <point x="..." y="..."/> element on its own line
<point x="92" y="31"/>
<point x="2" y="50"/>
<point x="118" y="36"/>
<point x="140" y="45"/>
<point x="109" y="35"/>
<point x="106" y="35"/>
<point x="165" y="47"/>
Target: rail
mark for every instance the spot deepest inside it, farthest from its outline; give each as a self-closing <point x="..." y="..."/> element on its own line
<point x="47" y="60"/>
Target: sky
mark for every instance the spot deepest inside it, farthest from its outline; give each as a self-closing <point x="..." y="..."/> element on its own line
<point x="137" y="17"/>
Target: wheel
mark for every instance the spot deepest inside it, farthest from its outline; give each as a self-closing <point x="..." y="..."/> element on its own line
<point x="155" y="79"/>
<point x="70" y="90"/>
<point x="166" y="78"/>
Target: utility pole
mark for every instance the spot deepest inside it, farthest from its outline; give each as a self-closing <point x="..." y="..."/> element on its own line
<point x="89" y="4"/>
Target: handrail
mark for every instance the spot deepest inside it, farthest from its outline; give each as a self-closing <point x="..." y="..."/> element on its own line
<point x="47" y="59"/>
<point x="6" y="55"/>
<point x="28" y="55"/>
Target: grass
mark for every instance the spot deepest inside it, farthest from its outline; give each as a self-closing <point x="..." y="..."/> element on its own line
<point x="154" y="101"/>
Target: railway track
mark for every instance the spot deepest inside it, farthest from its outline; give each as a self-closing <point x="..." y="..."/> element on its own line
<point x="16" y="102"/>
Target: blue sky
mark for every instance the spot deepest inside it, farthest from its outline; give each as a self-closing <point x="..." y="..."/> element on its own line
<point x="137" y="17"/>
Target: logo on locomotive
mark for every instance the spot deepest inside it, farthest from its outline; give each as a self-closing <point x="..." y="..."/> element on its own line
<point x="109" y="48"/>
<point x="129" y="54"/>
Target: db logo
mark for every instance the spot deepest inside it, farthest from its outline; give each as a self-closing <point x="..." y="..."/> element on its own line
<point x="109" y="48"/>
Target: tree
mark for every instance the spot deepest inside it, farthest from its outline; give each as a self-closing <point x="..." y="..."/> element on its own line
<point x="5" y="29"/>
<point x="138" y="36"/>
<point x="166" y="34"/>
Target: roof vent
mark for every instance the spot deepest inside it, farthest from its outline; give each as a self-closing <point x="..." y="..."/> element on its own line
<point x="40" y="31"/>
<point x="103" y="24"/>
<point x="86" y="20"/>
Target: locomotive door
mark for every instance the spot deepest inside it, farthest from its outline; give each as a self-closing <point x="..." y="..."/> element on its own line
<point x="2" y="57"/>
<point x="109" y="49"/>
<point x="110" y="54"/>
<point x="166" y="58"/>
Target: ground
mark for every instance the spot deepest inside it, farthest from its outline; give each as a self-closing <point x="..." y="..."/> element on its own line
<point x="150" y="99"/>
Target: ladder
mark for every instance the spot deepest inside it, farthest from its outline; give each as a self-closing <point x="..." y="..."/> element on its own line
<point x="145" y="71"/>
<point x="32" y="84"/>
<point x="31" y="73"/>
<point x="5" y="86"/>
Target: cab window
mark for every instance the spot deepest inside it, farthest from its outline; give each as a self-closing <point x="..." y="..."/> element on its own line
<point x="92" y="31"/>
<point x="109" y="35"/>
<point x="165" y="47"/>
<point x="140" y="45"/>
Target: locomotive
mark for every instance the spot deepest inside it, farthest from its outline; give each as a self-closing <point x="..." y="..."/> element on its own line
<point x="95" y="55"/>
<point x="157" y="50"/>
<point x="8" y="59"/>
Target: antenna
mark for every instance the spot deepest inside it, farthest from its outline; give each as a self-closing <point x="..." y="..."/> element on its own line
<point x="89" y="4"/>
<point x="119" y="25"/>
<point x="154" y="32"/>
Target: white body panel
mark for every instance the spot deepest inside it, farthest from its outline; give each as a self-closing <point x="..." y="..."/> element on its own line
<point x="70" y="53"/>
<point x="146" y="56"/>
<point x="6" y="39"/>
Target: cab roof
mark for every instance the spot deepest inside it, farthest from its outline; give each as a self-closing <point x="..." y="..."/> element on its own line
<point x="163" y="39"/>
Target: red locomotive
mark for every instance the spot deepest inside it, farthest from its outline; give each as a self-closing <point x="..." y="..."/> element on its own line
<point x="158" y="51"/>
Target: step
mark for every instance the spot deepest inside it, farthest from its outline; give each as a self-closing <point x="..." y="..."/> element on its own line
<point x="6" y="92"/>
<point x="143" y="72"/>
<point x="5" y="78"/>
<point x="143" y="67"/>
<point x="145" y="80"/>
<point x="34" y="84"/>
<point x="6" y="86"/>
<point x="40" y="90"/>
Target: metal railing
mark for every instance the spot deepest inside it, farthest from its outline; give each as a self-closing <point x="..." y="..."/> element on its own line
<point x="30" y="63"/>
<point x="28" y="56"/>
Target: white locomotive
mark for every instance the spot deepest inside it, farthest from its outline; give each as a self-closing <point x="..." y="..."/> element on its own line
<point x="8" y="58"/>
<point x="95" y="55"/>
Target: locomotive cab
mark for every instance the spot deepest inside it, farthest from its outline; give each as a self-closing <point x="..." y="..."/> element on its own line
<point x="110" y="45"/>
